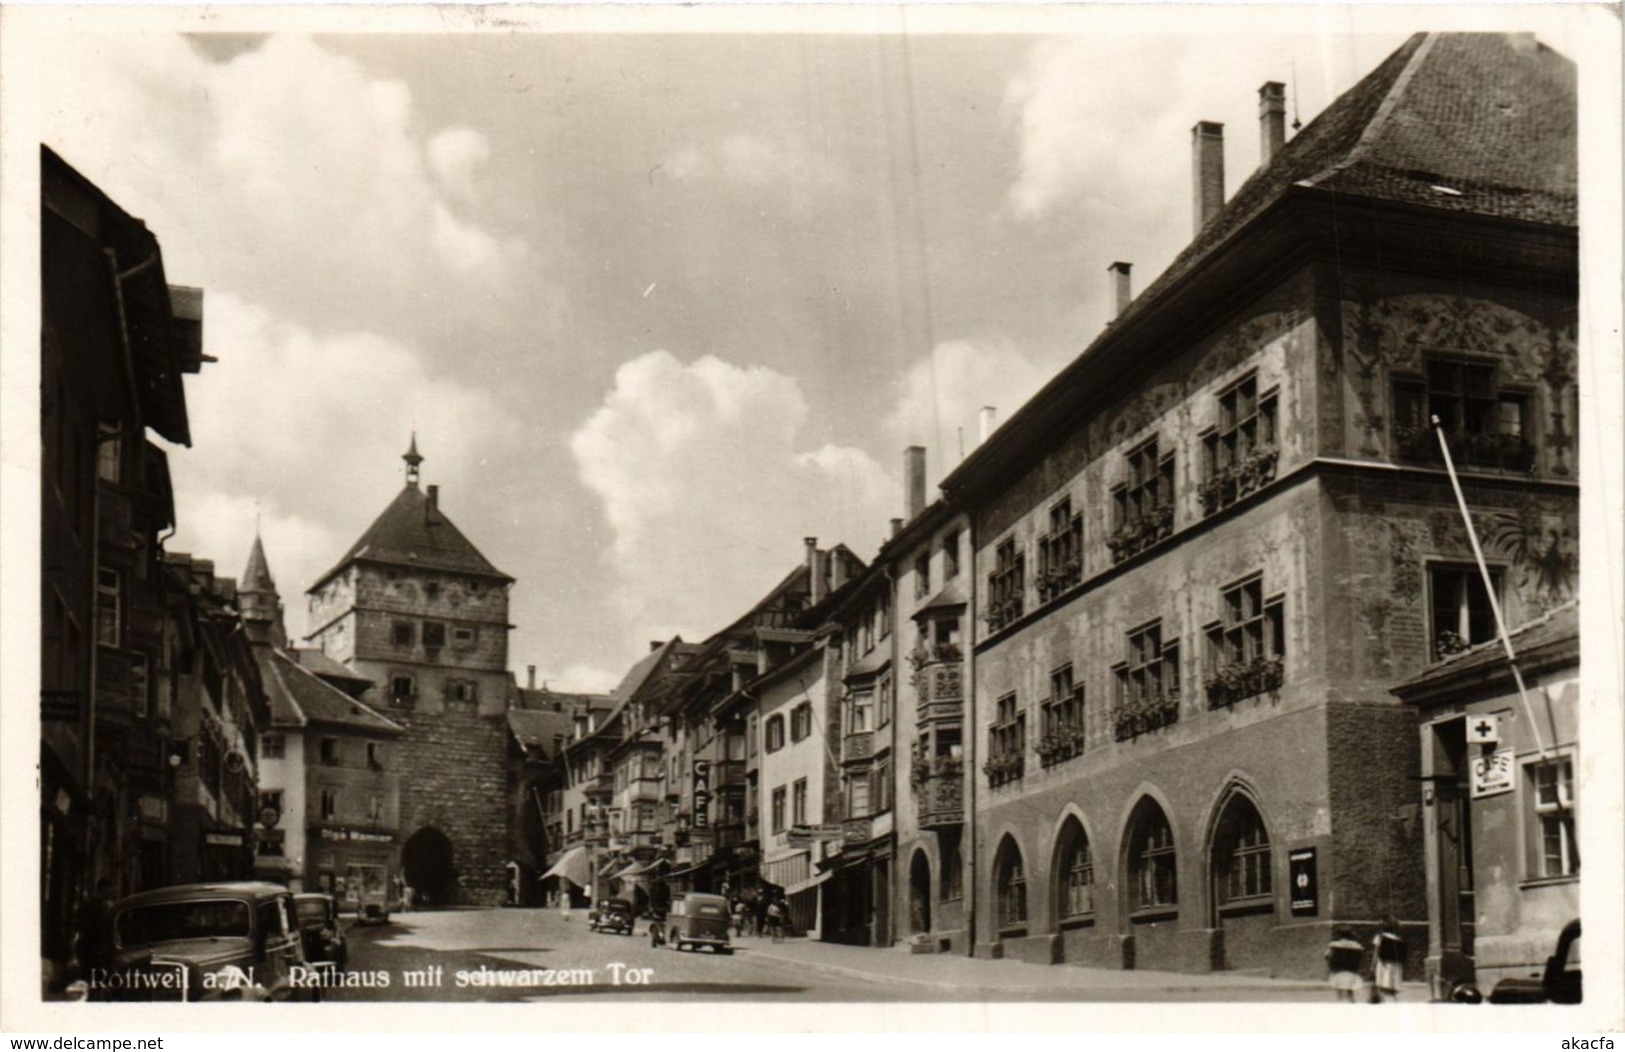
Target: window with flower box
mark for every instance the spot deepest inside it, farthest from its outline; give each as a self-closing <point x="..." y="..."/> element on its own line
<point x="1006" y="743"/>
<point x="1460" y="607"/>
<point x="1241" y="452"/>
<point x="1060" y="552"/>
<point x="1485" y="423"/>
<point x="1246" y="649"/>
<point x="1006" y="586"/>
<point x="1144" y="505"/>
<point x="1063" y="736"/>
<point x="1147" y="683"/>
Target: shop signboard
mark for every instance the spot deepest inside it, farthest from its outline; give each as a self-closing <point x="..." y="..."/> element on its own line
<point x="1493" y="773"/>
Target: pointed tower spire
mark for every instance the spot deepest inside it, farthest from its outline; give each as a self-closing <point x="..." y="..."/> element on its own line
<point x="413" y="458"/>
<point x="258" y="599"/>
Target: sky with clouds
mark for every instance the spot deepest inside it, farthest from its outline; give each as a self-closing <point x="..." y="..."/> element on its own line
<point x="657" y="305"/>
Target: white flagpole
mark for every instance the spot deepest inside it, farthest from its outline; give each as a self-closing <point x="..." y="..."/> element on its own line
<point x="1489" y="589"/>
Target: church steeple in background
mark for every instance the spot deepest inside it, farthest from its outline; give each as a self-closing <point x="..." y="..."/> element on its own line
<point x="413" y="458"/>
<point x="259" y="601"/>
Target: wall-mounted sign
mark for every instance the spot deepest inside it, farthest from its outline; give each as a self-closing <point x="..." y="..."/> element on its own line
<point x="1484" y="730"/>
<point x="1492" y="773"/>
<point x="356" y="836"/>
<point x="1304" y="881"/>
<point x="223" y="839"/>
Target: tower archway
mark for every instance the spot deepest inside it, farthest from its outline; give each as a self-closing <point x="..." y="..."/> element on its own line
<point x="427" y="863"/>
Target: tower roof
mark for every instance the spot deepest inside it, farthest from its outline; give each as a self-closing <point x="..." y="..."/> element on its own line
<point x="414" y="532"/>
<point x="257" y="577"/>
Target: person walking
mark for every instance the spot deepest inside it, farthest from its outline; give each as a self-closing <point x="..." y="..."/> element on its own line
<point x="775" y="920"/>
<point x="1387" y="961"/>
<point x="1343" y="957"/>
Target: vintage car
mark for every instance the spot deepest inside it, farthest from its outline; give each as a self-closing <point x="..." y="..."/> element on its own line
<point x="320" y="929"/>
<point x="611" y="915"/>
<point x="1558" y="983"/>
<point x="694" y="920"/>
<point x="372" y="911"/>
<point x="204" y="942"/>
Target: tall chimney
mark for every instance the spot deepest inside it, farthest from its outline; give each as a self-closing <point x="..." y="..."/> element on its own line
<point x="914" y="480"/>
<point x="433" y="507"/>
<point x="837" y="570"/>
<point x="1207" y="170"/>
<point x="1122" y="291"/>
<point x="1271" y="120"/>
<point x="530" y="677"/>
<point x="815" y="571"/>
<point x="896" y="527"/>
<point x="989" y="419"/>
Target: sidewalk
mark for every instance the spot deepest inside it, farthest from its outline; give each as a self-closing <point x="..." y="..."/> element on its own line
<point x="980" y="976"/>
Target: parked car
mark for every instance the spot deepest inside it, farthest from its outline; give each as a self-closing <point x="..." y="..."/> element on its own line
<point x="372" y="912"/>
<point x="1559" y="981"/>
<point x="611" y="915"/>
<point x="695" y="920"/>
<point x="204" y="942"/>
<point x="320" y="929"/>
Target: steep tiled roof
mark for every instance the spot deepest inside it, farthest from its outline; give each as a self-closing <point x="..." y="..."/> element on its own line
<point x="299" y="697"/>
<point x="540" y="728"/>
<point x="409" y="533"/>
<point x="1487" y="115"/>
<point x="545" y="700"/>
<point x="331" y="670"/>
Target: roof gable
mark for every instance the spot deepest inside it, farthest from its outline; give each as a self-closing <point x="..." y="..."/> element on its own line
<point x="414" y="532"/>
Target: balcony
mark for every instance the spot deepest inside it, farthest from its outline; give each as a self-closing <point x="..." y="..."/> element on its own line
<point x="1493" y="451"/>
<point x="644" y="790"/>
<point x="859" y="746"/>
<point x="731" y="834"/>
<point x="121" y="685"/>
<point x="939" y="791"/>
<point x="728" y="773"/>
<point x="939" y="683"/>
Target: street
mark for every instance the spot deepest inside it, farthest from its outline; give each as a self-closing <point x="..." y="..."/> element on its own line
<point x="519" y="955"/>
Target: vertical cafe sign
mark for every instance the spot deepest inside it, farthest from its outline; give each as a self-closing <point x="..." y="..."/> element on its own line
<point x="702" y="793"/>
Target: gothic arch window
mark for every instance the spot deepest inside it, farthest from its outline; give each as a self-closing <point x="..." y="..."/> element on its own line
<point x="1010" y="886"/>
<point x="1152" y="861"/>
<point x="1073" y="874"/>
<point x="1241" y="856"/>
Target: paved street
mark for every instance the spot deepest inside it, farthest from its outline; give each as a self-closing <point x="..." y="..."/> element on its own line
<point x="512" y="955"/>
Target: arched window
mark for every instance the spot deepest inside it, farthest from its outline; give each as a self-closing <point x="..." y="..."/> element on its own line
<point x="1152" y="869"/>
<point x="1241" y="852"/>
<point x="1010" y="883"/>
<point x="1074" y="873"/>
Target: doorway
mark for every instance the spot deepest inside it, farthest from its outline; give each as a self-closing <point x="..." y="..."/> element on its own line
<point x="1453" y="837"/>
<point x="426" y="861"/>
<point x="919" y="893"/>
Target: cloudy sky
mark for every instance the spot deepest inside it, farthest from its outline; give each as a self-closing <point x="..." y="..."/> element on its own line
<point x="658" y="305"/>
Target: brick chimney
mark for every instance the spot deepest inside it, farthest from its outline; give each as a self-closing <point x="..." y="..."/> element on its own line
<point x="530" y="677"/>
<point x="896" y="527"/>
<point x="1122" y="291"/>
<point x="1271" y="120"/>
<point x="913" y="481"/>
<point x="815" y="571"/>
<point x="1207" y="171"/>
<point x="431" y="510"/>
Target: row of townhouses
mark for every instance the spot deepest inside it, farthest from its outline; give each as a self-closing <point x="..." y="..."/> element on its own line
<point x="151" y="704"/>
<point x="1191" y="661"/>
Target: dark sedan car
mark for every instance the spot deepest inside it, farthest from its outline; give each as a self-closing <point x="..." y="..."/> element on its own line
<point x="320" y="929"/>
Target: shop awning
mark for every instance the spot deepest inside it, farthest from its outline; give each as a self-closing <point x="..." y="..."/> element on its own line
<point x="811" y="882"/>
<point x="573" y="867"/>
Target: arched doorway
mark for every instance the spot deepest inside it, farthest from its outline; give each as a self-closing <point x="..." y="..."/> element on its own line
<point x="426" y="862"/>
<point x="919" y="893"/>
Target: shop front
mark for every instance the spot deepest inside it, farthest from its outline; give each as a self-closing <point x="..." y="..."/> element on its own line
<point x="356" y="866"/>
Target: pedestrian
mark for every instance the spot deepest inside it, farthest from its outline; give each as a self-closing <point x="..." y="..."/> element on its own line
<point x="1387" y="961"/>
<point x="740" y="913"/>
<point x="1343" y="957"/>
<point x="407" y="895"/>
<point x="775" y="920"/>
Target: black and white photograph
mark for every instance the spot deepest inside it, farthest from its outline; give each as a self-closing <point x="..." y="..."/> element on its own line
<point x="798" y="511"/>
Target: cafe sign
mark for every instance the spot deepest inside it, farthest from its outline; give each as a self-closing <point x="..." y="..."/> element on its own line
<point x="1492" y="773"/>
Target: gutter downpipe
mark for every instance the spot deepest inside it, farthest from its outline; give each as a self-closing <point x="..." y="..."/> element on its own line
<point x="1501" y="629"/>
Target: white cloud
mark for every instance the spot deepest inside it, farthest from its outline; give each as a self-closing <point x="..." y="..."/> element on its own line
<point x="455" y="154"/>
<point x="290" y="173"/>
<point x="941" y="396"/>
<point x="332" y="449"/>
<point x="702" y="479"/>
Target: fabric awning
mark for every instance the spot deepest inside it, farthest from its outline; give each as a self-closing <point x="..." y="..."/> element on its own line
<point x="573" y="867"/>
<point x="811" y="882"/>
